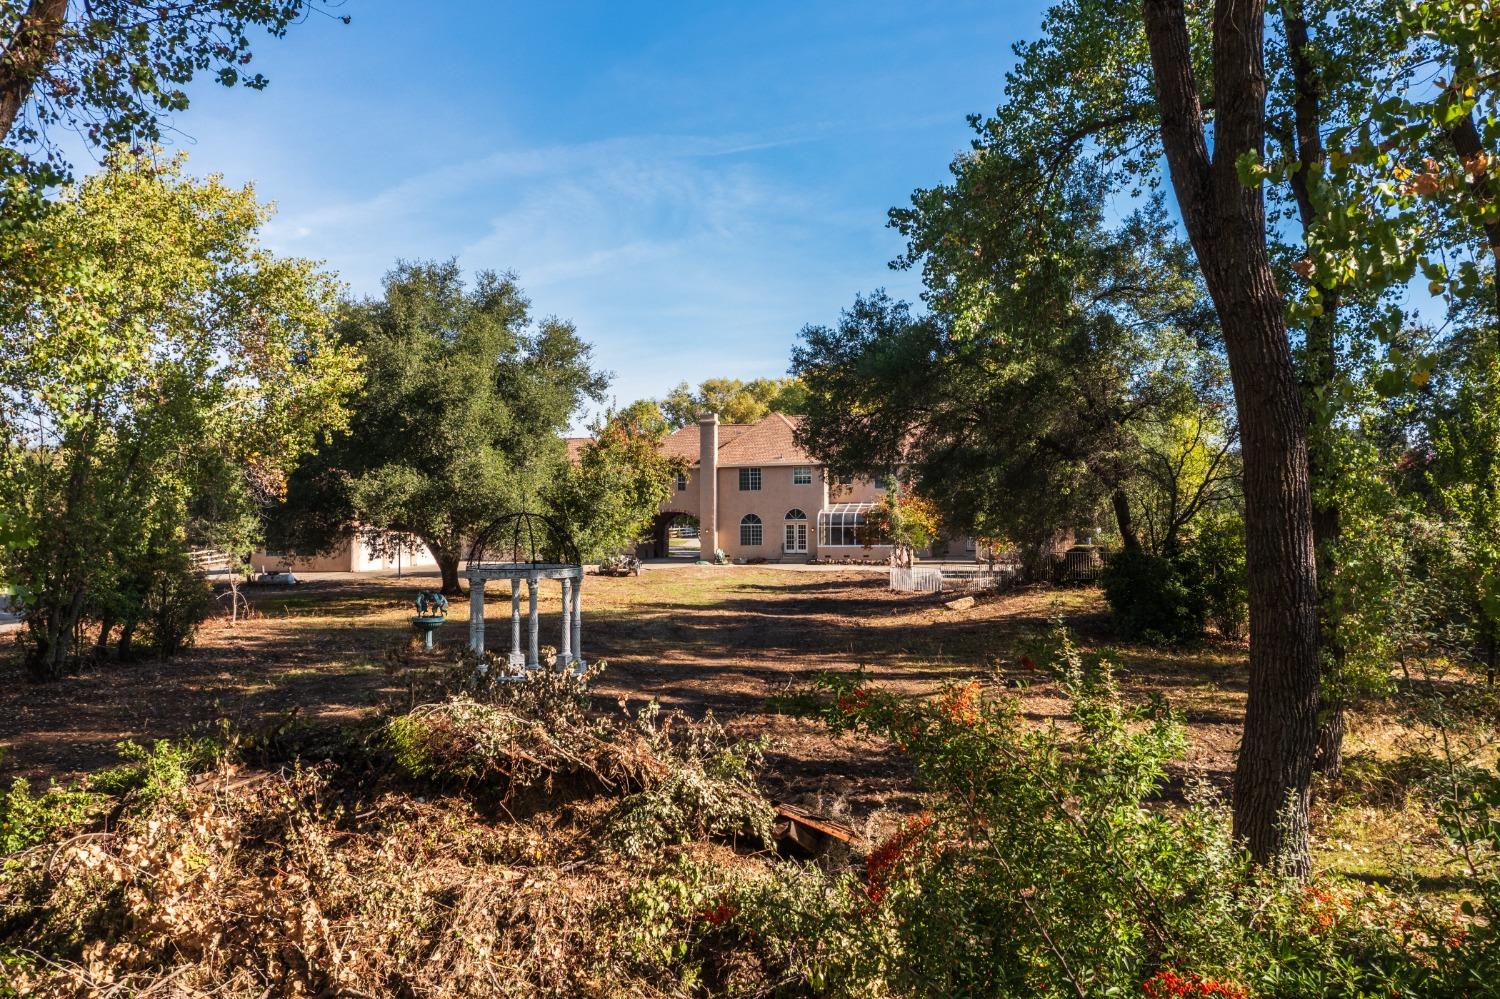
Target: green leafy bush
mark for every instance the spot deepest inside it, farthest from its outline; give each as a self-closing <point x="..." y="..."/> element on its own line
<point x="1053" y="861"/>
<point x="706" y="789"/>
<point x="178" y="601"/>
<point x="1214" y="565"/>
<point x="27" y="819"/>
<point x="1154" y="598"/>
<point x="159" y="772"/>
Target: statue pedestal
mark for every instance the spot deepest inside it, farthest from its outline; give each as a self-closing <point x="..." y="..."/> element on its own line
<point x="426" y="626"/>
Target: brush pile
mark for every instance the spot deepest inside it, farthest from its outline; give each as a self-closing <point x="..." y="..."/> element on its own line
<point x="494" y="843"/>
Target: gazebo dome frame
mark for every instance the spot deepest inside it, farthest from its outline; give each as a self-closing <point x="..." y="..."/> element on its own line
<point x="531" y="547"/>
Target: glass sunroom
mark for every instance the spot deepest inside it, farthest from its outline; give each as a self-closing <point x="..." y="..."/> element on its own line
<point x="842" y="525"/>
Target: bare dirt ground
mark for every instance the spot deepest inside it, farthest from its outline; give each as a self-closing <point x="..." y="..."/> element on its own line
<point x="699" y="639"/>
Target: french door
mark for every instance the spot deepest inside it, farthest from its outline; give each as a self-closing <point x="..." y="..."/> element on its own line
<point x="796" y="538"/>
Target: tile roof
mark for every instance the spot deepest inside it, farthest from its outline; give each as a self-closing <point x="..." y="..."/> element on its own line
<point x="769" y="442"/>
<point x="683" y="442"/>
<point x="766" y="442"/>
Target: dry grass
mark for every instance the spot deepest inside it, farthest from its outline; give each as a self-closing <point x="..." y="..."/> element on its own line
<point x="700" y="639"/>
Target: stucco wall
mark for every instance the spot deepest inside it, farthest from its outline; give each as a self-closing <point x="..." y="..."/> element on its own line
<point x="347" y="557"/>
<point x="777" y="496"/>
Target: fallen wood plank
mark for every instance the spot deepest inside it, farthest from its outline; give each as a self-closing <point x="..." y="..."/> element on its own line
<point x="795" y="816"/>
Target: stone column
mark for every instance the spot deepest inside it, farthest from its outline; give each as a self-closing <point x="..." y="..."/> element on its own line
<point x="476" y="616"/>
<point x="577" y="616"/>
<point x="517" y="657"/>
<point x="533" y="654"/>
<point x="564" y="651"/>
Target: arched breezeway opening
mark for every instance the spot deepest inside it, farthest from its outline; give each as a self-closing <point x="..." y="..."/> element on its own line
<point x="674" y="534"/>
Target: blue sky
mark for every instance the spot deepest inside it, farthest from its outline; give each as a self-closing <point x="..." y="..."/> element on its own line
<point x="689" y="183"/>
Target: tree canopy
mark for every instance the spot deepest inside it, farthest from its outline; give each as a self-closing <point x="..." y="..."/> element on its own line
<point x="460" y="421"/>
<point x="111" y="70"/>
<point x="1026" y="398"/>
<point x="734" y="400"/>
<point x="158" y="343"/>
<point x="608" y="496"/>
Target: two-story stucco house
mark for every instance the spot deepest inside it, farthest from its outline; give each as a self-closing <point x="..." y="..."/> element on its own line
<point x="756" y="494"/>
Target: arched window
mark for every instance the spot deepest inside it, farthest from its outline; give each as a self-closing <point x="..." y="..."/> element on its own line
<point x="750" y="531"/>
<point x="795" y="514"/>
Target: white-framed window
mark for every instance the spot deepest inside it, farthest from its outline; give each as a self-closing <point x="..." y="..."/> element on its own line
<point x="843" y="525"/>
<point x="802" y="476"/>
<point x="682" y="482"/>
<point x="752" y="533"/>
<point x="846" y="480"/>
<point x="750" y="481"/>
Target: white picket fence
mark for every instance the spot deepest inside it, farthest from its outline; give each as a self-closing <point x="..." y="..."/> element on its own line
<point x="918" y="579"/>
<point x="208" y="560"/>
<point x="940" y="579"/>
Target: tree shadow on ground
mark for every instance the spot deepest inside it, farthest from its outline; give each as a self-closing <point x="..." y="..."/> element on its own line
<point x="725" y="644"/>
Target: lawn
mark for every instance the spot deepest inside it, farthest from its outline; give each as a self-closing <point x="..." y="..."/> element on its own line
<point x="726" y="640"/>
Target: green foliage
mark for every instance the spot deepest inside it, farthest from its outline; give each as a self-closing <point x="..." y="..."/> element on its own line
<point x="1157" y="599"/>
<point x="1052" y="862"/>
<point x="903" y="519"/>
<point x="114" y="69"/>
<point x="460" y="421"/>
<point x="707" y="789"/>
<point x="1084" y="336"/>
<point x="609" y="496"/>
<point x="178" y="600"/>
<point x="155" y="339"/>
<point x="28" y="819"/>
<point x="734" y="400"/>
<point x="160" y="772"/>
<point x="1044" y="867"/>
<point x="1214" y="565"/>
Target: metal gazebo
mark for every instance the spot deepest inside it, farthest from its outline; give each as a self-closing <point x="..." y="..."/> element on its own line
<point x="531" y="547"/>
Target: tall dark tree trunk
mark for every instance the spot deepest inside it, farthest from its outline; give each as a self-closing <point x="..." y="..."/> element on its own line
<point x="106" y="626"/>
<point x="1124" y="521"/>
<point x="125" y="649"/>
<point x="1225" y="221"/>
<point x="28" y="52"/>
<point x="1320" y="370"/>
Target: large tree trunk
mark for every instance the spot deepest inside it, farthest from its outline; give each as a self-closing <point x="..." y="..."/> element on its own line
<point x="1320" y="370"/>
<point x="1225" y="221"/>
<point x="1124" y="521"/>
<point x="51" y="630"/>
<point x="27" y="54"/>
<point x="447" y="560"/>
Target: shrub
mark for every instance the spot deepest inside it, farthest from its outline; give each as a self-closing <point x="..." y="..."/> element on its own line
<point x="1214" y="564"/>
<point x="1049" y="863"/>
<point x="1154" y="598"/>
<point x="178" y="601"/>
<point x="159" y="772"/>
<point x="705" y="789"/>
<point x="27" y="819"/>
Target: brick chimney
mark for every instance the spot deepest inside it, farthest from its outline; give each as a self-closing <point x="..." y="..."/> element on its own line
<point x="708" y="484"/>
